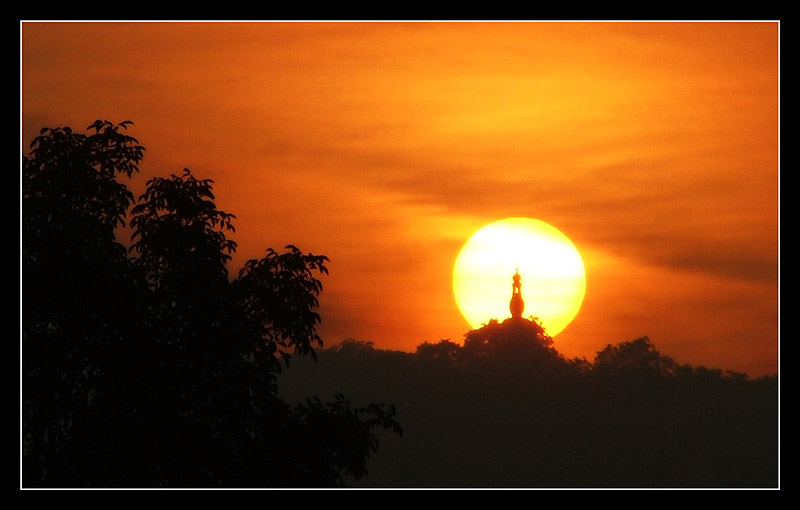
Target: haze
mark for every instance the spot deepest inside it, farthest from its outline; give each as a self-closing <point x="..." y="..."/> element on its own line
<point x="653" y="146"/>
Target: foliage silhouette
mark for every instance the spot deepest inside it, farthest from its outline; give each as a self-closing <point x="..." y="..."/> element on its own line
<point x="150" y="367"/>
<point x="637" y="357"/>
<point x="505" y="409"/>
<point x="516" y="338"/>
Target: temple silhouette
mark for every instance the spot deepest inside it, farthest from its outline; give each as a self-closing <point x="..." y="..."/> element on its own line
<point x="517" y="304"/>
<point x="524" y="340"/>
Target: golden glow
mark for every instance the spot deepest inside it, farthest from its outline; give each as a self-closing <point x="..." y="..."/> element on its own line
<point x="378" y="144"/>
<point x="553" y="274"/>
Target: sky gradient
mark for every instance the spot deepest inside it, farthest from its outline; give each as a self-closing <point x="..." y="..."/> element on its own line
<point x="652" y="146"/>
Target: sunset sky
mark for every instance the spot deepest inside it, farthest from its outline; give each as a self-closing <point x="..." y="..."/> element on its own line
<point x="652" y="146"/>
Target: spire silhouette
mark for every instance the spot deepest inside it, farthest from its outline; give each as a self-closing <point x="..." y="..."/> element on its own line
<point x="517" y="305"/>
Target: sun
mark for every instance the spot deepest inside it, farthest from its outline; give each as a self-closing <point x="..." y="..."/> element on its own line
<point x="551" y="269"/>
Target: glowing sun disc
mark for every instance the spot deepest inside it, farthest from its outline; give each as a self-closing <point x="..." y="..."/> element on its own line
<point x="552" y="271"/>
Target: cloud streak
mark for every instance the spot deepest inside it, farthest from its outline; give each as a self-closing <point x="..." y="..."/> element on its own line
<point x="385" y="145"/>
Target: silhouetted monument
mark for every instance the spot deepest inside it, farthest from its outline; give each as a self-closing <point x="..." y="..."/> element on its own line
<point x="517" y="305"/>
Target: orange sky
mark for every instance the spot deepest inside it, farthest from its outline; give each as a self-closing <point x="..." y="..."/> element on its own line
<point x="653" y="146"/>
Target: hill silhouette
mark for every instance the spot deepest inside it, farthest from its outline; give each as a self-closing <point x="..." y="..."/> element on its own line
<point x="505" y="409"/>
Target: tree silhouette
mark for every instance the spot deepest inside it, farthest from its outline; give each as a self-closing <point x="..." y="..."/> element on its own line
<point x="79" y="291"/>
<point x="513" y="346"/>
<point x="505" y="409"/>
<point x="151" y="366"/>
